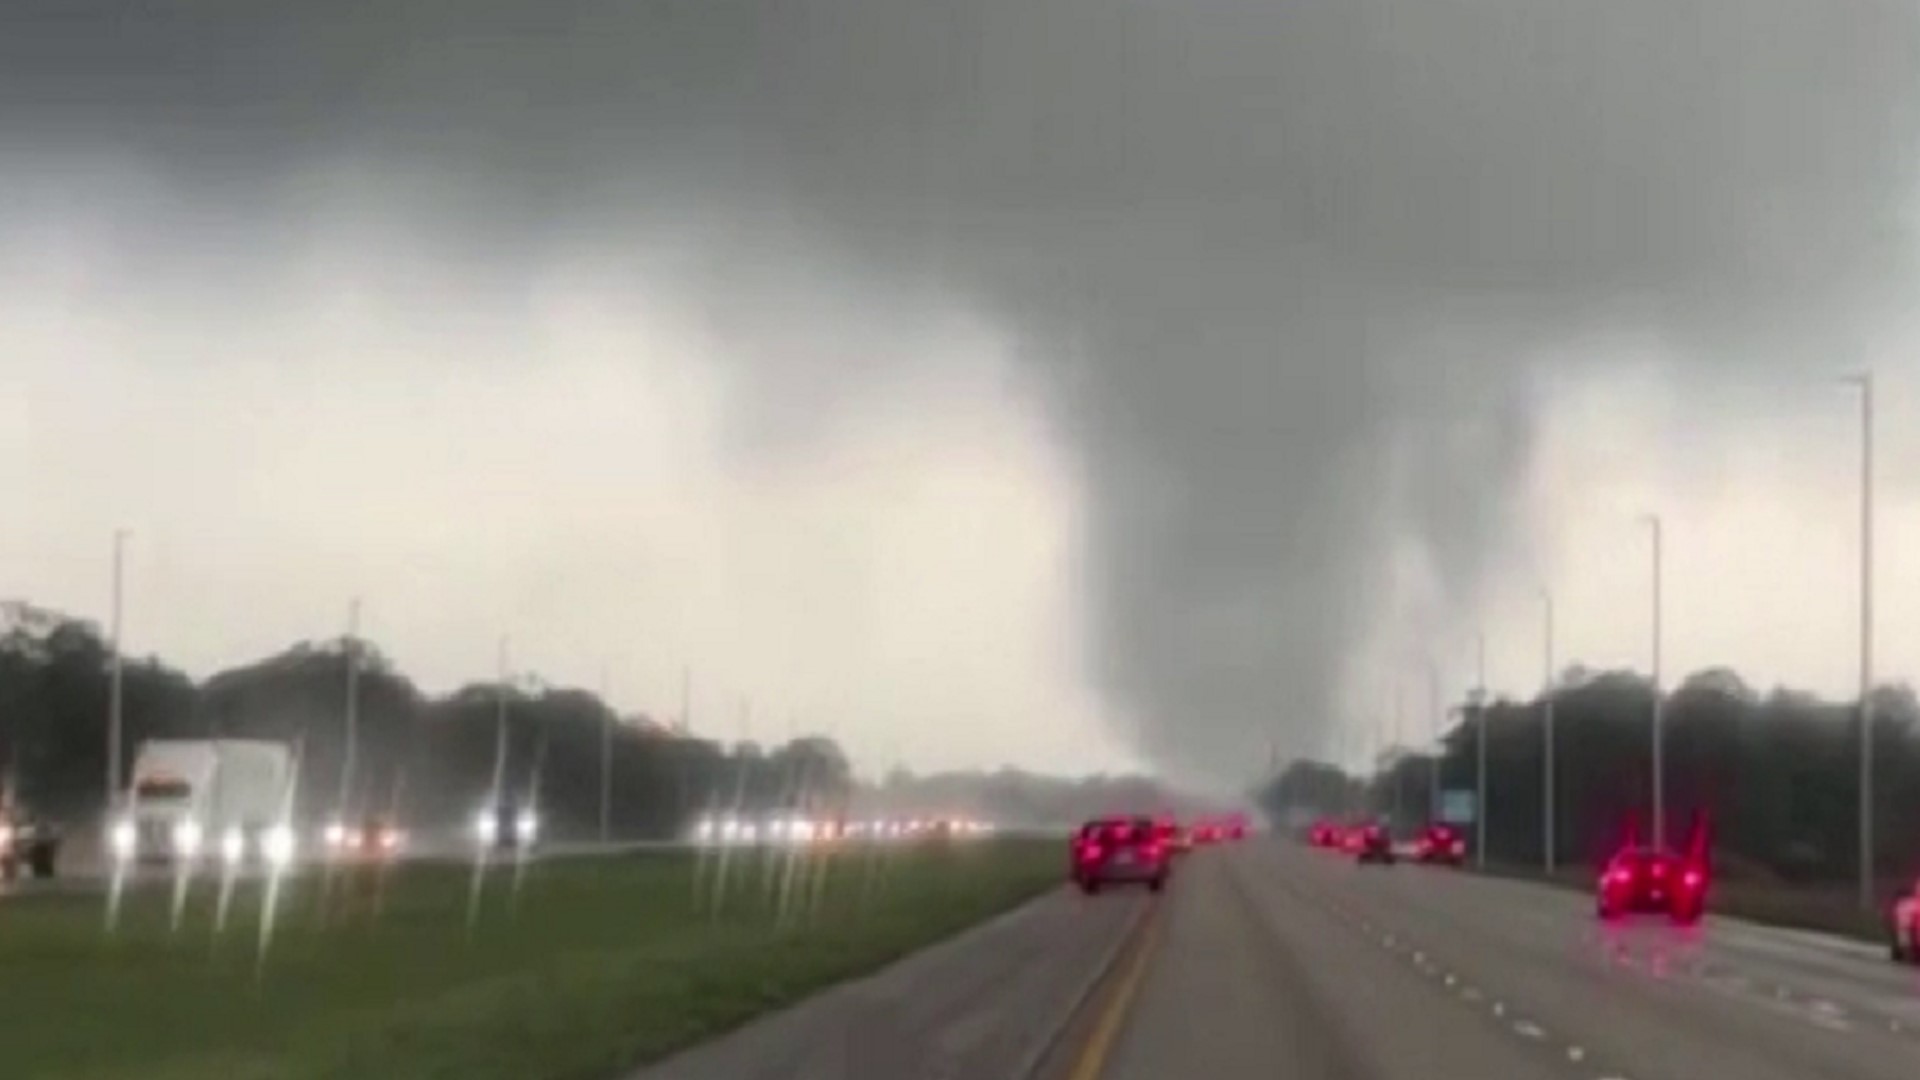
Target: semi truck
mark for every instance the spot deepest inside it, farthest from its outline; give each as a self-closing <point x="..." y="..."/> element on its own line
<point x="190" y="799"/>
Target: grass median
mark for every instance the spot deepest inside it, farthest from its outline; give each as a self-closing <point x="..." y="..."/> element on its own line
<point x="602" y="964"/>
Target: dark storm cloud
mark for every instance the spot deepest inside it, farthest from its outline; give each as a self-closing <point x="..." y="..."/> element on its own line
<point x="1265" y="255"/>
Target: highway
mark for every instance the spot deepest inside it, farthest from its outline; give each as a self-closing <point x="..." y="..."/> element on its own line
<point x="1273" y="959"/>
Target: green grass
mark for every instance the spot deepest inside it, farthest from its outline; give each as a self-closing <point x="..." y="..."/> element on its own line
<point x="604" y="964"/>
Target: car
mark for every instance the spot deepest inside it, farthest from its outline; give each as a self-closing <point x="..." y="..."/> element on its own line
<point x="1375" y="845"/>
<point x="1641" y="880"/>
<point x="1117" y="851"/>
<point x="1903" y="926"/>
<point x="1207" y="831"/>
<point x="1324" y="834"/>
<point x="28" y="845"/>
<point x="1353" y="838"/>
<point x="507" y="826"/>
<point x="1235" y="827"/>
<point x="1440" y="845"/>
<point x="373" y="838"/>
<point x="1178" y="839"/>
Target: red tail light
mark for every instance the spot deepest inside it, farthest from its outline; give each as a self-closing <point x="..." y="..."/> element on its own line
<point x="1693" y="879"/>
<point x="1089" y="852"/>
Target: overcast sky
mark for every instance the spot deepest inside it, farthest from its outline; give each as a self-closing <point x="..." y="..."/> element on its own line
<point x="1075" y="384"/>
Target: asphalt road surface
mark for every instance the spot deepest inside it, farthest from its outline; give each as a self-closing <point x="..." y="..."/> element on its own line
<point x="1270" y="959"/>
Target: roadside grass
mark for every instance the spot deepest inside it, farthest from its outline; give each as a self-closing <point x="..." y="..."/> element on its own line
<point x="603" y="964"/>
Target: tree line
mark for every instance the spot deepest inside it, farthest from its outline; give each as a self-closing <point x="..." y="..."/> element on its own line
<point x="1775" y="775"/>
<point x="430" y="759"/>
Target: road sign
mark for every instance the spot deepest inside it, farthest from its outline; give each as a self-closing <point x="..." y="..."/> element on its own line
<point x="1457" y="807"/>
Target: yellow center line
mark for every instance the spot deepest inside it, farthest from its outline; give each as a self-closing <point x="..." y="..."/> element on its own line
<point x="1093" y="1055"/>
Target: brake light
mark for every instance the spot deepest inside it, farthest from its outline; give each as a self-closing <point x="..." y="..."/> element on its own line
<point x="1089" y="852"/>
<point x="1155" y="851"/>
<point x="1693" y="879"/>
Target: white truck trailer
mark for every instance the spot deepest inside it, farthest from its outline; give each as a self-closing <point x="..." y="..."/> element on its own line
<point x="194" y="798"/>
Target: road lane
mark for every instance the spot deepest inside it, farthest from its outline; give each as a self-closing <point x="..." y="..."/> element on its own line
<point x="1251" y="983"/>
<point x="985" y="1004"/>
<point x="1658" y="1000"/>
<point x="1785" y="965"/>
<point x="1279" y="960"/>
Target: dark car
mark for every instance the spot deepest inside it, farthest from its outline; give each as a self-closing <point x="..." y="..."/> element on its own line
<point x="508" y="826"/>
<point x="375" y="837"/>
<point x="1903" y="926"/>
<point x="1375" y="845"/>
<point x="1235" y="826"/>
<point x="1324" y="834"/>
<point x="1440" y="845"/>
<point x="1644" y="880"/>
<point x="1120" y="850"/>
<point x="28" y="845"/>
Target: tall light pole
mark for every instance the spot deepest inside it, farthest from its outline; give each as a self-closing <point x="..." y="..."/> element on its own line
<point x="116" y="698"/>
<point x="500" y="727"/>
<point x="1480" y="738"/>
<point x="1652" y="521"/>
<point x="1399" y="782"/>
<point x="1547" y="804"/>
<point x="1864" y="381"/>
<point x="1437" y="716"/>
<point x="350" y="752"/>
<point x="606" y="761"/>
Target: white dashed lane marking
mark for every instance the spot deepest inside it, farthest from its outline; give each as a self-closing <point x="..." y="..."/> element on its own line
<point x="1527" y="1029"/>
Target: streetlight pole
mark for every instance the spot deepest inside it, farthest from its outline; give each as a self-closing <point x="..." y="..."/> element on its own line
<point x="1436" y="710"/>
<point x="500" y="728"/>
<point x="1659" y="749"/>
<point x="1864" y="381"/>
<point x="1480" y="738"/>
<point x="1393" y="758"/>
<point x="1547" y="804"/>
<point x="116" y="698"/>
<point x="606" y="761"/>
<point x="350" y="753"/>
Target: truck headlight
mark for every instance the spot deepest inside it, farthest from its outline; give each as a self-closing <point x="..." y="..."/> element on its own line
<point x="526" y="826"/>
<point x="187" y="836"/>
<point x="277" y="845"/>
<point x="121" y="839"/>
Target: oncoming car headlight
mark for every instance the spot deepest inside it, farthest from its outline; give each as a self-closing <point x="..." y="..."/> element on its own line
<point x="486" y="827"/>
<point x="121" y="839"/>
<point x="187" y="836"/>
<point x="233" y="845"/>
<point x="277" y="845"/>
<point x="526" y="826"/>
